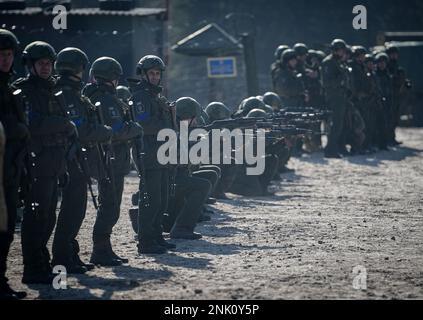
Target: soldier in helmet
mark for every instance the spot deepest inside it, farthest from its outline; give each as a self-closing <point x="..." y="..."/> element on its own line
<point x="400" y="89"/>
<point x="275" y="67"/>
<point x="335" y="84"/>
<point x="50" y="131"/>
<point x="250" y="185"/>
<point x="386" y="87"/>
<point x="191" y="190"/>
<point x="105" y="73"/>
<point x="70" y="65"/>
<point x="153" y="111"/>
<point x="289" y="83"/>
<point x="13" y="151"/>
<point x="218" y="111"/>
<point x="301" y="53"/>
<point x="359" y="92"/>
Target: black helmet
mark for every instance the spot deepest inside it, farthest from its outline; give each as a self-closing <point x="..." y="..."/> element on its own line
<point x="280" y="50"/>
<point x="38" y="50"/>
<point x="106" y="68"/>
<point x="8" y="40"/>
<point x="300" y="49"/>
<point x="256" y="113"/>
<point x="288" y="55"/>
<point x="382" y="56"/>
<point x="358" y="50"/>
<point x="123" y="93"/>
<point x="187" y="108"/>
<point x="273" y="100"/>
<point x="338" y="44"/>
<point x="150" y="62"/>
<point x="71" y="60"/>
<point x="217" y="111"/>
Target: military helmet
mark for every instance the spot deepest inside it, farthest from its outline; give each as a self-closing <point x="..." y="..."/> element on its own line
<point x="256" y="113"/>
<point x="321" y="55"/>
<point x="217" y="111"/>
<point x="300" y="49"/>
<point x="149" y="62"/>
<point x="273" y="100"/>
<point x="71" y="59"/>
<point x="280" y="50"/>
<point x="382" y="56"/>
<point x="106" y="68"/>
<point x="38" y="50"/>
<point x="251" y="103"/>
<point x="392" y="49"/>
<point x="8" y="40"/>
<point x="288" y="55"/>
<point x="187" y="108"/>
<point x="358" y="50"/>
<point x="338" y="44"/>
<point x="369" y="58"/>
<point x="123" y="93"/>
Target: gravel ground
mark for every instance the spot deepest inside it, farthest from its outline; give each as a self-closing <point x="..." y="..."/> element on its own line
<point x="326" y="219"/>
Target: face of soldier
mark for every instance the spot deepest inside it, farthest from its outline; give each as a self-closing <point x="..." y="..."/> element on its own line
<point x="370" y="66"/>
<point x="302" y="58"/>
<point x="154" y="76"/>
<point x="293" y="63"/>
<point x="6" y="60"/>
<point x="43" y="68"/>
<point x="341" y="53"/>
<point x="361" y="58"/>
<point x="381" y="65"/>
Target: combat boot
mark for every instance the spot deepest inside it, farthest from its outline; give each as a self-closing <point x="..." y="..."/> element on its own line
<point x="148" y="246"/>
<point x="133" y="216"/>
<point x="101" y="254"/>
<point x="162" y="242"/>
<point x="37" y="276"/>
<point x="7" y="293"/>
<point x="78" y="261"/>
<point x="184" y="233"/>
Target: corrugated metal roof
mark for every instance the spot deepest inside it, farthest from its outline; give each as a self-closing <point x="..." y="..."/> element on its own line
<point x="139" y="12"/>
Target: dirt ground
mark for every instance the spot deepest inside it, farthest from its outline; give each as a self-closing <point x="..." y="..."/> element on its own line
<point x="327" y="218"/>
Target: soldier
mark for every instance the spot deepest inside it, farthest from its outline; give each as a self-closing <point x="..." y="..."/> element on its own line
<point x="289" y="84"/>
<point x="386" y="88"/>
<point x="105" y="73"/>
<point x="400" y="85"/>
<point x="313" y="83"/>
<point x="12" y="153"/>
<point x="334" y="79"/>
<point x="153" y="111"/>
<point x="275" y="68"/>
<point x="250" y="185"/>
<point x="192" y="191"/>
<point x="70" y="66"/>
<point x="359" y="92"/>
<point x="301" y="53"/>
<point x="218" y="111"/>
<point x="50" y="131"/>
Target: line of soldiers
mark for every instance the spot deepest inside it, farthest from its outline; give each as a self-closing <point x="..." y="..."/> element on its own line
<point x="363" y="90"/>
<point x="63" y="134"/>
